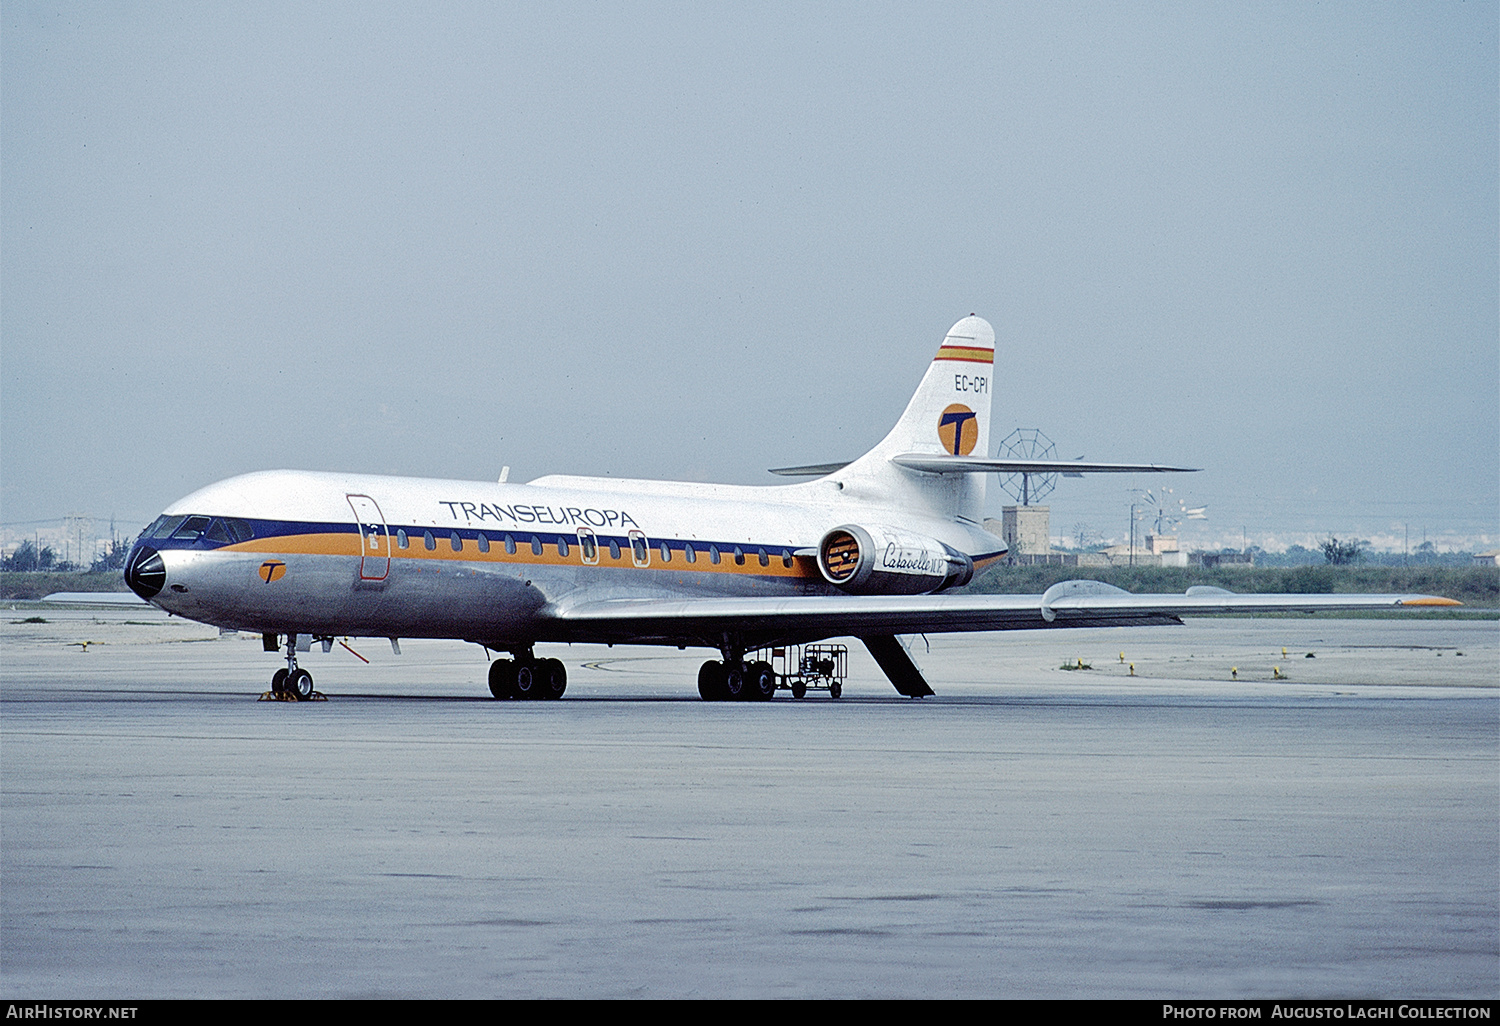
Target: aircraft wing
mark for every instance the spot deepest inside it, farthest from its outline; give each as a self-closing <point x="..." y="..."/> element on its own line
<point x="96" y="598"/>
<point x="811" y="470"/>
<point x="763" y="621"/>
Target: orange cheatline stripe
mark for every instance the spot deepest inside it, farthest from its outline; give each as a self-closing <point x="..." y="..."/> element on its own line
<point x="302" y="545"/>
<point x="968" y="354"/>
<point x="349" y="545"/>
<point x="980" y="564"/>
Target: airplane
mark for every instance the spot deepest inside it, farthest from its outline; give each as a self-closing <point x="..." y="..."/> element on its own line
<point x="871" y="549"/>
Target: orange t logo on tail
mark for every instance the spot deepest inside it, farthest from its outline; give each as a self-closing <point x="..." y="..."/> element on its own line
<point x="958" y="430"/>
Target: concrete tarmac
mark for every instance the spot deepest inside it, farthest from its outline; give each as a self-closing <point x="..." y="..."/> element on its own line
<point x="1028" y="832"/>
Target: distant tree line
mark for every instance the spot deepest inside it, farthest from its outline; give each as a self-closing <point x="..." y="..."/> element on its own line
<point x="1342" y="553"/>
<point x="27" y="559"/>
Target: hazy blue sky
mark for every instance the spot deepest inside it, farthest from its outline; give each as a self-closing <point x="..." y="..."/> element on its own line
<point x="696" y="241"/>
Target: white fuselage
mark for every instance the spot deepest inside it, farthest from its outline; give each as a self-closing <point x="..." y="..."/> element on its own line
<point x="347" y="554"/>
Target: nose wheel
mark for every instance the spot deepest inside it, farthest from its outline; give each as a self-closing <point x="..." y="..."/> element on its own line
<point x="292" y="684"/>
<point x="299" y="685"/>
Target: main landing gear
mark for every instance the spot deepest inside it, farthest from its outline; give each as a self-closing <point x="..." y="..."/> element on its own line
<point x="736" y="681"/>
<point x="528" y="677"/>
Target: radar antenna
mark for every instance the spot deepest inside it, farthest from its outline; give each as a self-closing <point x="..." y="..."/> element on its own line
<point x="1027" y="444"/>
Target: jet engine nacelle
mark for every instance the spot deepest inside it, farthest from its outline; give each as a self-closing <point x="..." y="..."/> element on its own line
<point x="888" y="561"/>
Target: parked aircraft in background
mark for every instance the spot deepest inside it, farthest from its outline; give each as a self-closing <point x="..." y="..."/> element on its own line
<point x="871" y="549"/>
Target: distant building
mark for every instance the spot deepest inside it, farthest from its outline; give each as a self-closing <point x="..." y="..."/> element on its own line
<point x="1027" y="529"/>
<point x="1490" y="558"/>
<point x="1157" y="550"/>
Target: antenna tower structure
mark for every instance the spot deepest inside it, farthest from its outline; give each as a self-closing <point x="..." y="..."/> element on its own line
<point x="1027" y="444"/>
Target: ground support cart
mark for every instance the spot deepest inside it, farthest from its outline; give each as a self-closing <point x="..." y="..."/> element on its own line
<point x="803" y="668"/>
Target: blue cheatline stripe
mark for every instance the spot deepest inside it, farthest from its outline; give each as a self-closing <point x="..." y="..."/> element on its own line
<point x="266" y="529"/>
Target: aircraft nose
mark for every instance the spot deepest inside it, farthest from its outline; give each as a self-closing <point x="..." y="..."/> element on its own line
<point x="145" y="572"/>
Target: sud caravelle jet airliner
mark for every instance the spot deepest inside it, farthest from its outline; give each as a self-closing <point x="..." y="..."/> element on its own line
<point x="871" y="549"/>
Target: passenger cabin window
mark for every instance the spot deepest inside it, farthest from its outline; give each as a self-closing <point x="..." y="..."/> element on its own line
<point x="713" y="554"/>
<point x="587" y="546"/>
<point x="690" y="552"/>
<point x="562" y="546"/>
<point x="484" y="543"/>
<point x="739" y="556"/>
<point x="640" y="552"/>
<point x="765" y="560"/>
<point x="402" y="541"/>
<point x="786" y="558"/>
<point x="614" y="549"/>
<point x="666" y="553"/>
<point x="536" y="546"/>
<point x="428" y="541"/>
<point x="510" y="545"/>
<point x="455" y="542"/>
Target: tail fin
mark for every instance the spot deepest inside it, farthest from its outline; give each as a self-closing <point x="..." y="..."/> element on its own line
<point x="948" y="415"/>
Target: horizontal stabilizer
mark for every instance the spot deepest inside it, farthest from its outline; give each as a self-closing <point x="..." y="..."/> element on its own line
<point x="933" y="464"/>
<point x="938" y="464"/>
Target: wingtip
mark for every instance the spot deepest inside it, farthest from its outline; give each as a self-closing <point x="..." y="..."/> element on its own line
<point x="1428" y="600"/>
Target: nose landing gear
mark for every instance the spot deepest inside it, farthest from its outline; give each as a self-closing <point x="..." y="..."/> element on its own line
<point x="292" y="684"/>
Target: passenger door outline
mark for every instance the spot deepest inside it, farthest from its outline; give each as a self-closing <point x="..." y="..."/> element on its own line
<point x="374" y="538"/>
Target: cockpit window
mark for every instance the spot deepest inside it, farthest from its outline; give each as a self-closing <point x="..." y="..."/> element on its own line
<point x="191" y="529"/>
<point x="219" y="534"/>
<point x="166" y="525"/>
<point x="241" y="530"/>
